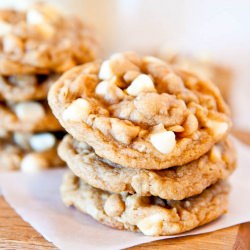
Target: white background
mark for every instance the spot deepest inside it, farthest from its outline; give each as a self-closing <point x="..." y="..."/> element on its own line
<point x="219" y="28"/>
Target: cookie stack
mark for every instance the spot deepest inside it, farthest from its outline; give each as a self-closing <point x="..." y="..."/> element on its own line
<point x="36" y="46"/>
<point x="148" y="147"/>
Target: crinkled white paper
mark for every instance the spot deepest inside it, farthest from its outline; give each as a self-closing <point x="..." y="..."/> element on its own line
<point x="36" y="198"/>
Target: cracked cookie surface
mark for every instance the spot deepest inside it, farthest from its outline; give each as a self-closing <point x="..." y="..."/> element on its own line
<point x="140" y="112"/>
<point x="150" y="215"/>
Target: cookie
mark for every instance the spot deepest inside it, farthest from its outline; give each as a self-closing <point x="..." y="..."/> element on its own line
<point x="149" y="215"/>
<point x="221" y="75"/>
<point x="30" y="116"/>
<point x="140" y="112"/>
<point x="174" y="183"/>
<point x="18" y="88"/>
<point x="42" y="40"/>
<point x="29" y="152"/>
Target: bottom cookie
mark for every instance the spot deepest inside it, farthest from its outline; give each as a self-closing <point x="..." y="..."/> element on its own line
<point x="149" y="215"/>
<point x="29" y="152"/>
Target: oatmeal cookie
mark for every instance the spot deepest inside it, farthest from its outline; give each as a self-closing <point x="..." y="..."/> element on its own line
<point x="140" y="112"/>
<point x="42" y="40"/>
<point x="27" y="116"/>
<point x="149" y="215"/>
<point x="29" y="152"/>
<point x="18" y="88"/>
<point x="174" y="183"/>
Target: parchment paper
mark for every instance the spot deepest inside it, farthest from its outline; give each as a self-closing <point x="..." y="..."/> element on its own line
<point x="36" y="198"/>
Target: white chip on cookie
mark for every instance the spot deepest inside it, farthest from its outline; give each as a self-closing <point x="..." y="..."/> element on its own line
<point x="29" y="111"/>
<point x="105" y="71"/>
<point x="114" y="205"/>
<point x="216" y="152"/>
<point x="218" y="128"/>
<point x="22" y="140"/>
<point x="23" y="80"/>
<point x="77" y="111"/>
<point x="34" y="17"/>
<point x="151" y="225"/>
<point x="42" y="142"/>
<point x="163" y="140"/>
<point x="141" y="84"/>
<point x="32" y="163"/>
<point x="109" y="91"/>
<point x="5" y="28"/>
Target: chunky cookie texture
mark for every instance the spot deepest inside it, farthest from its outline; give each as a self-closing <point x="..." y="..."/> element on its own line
<point x="29" y="152"/>
<point x="19" y="88"/>
<point x="140" y="112"/>
<point x="221" y="75"/>
<point x="42" y="40"/>
<point x="28" y="116"/>
<point x="150" y="215"/>
<point x="175" y="183"/>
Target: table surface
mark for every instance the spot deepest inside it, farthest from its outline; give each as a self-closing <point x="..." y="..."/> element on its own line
<point x="17" y="234"/>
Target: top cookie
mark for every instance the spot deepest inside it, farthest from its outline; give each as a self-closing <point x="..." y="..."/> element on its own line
<point x="41" y="40"/>
<point x="140" y="112"/>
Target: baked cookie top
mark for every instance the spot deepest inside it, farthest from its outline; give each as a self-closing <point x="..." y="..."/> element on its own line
<point x="18" y="88"/>
<point x="174" y="183"/>
<point x="150" y="215"/>
<point x="28" y="116"/>
<point x="140" y="112"/>
<point x="29" y="152"/>
<point x="220" y="74"/>
<point x="41" y="40"/>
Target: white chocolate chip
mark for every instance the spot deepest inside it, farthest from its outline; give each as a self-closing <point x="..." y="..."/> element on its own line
<point x="77" y="111"/>
<point x="22" y="140"/>
<point x="109" y="92"/>
<point x="42" y="142"/>
<point x="118" y="65"/>
<point x="216" y="153"/>
<point x="105" y="70"/>
<point x="29" y="111"/>
<point x="5" y="28"/>
<point x="23" y="80"/>
<point x="32" y="163"/>
<point x="114" y="205"/>
<point x="218" y="128"/>
<point x="35" y="17"/>
<point x="151" y="225"/>
<point x="187" y="204"/>
<point x="12" y="44"/>
<point x="142" y="83"/>
<point x="163" y="140"/>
